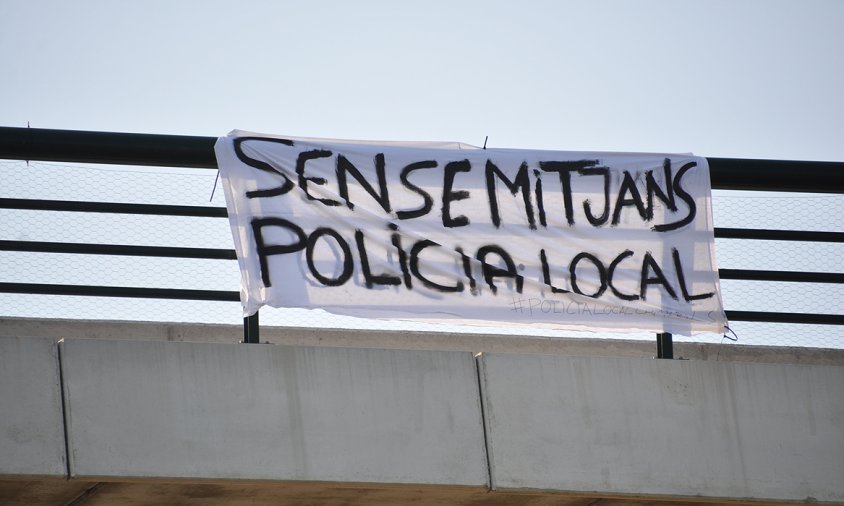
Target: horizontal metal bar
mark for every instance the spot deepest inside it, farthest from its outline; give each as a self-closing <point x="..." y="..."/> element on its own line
<point x="221" y="212"/>
<point x="805" y="318"/>
<point x="776" y="175"/>
<point x="118" y="249"/>
<point x="113" y="207"/>
<point x="190" y="151"/>
<point x="226" y="296"/>
<point x="231" y="296"/>
<point x="778" y="235"/>
<point x="789" y="276"/>
<point x="120" y="291"/>
<point x="228" y="254"/>
<point x="107" y="147"/>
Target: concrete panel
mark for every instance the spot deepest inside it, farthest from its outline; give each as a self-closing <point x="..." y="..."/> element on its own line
<point x="31" y="425"/>
<point x="662" y="427"/>
<point x="192" y="410"/>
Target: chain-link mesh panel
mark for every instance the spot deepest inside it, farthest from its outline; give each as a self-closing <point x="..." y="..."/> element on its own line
<point x="109" y="183"/>
<point x="780" y="255"/>
<point x="779" y="211"/>
<point x="118" y="308"/>
<point x="776" y="334"/>
<point x="105" y="228"/>
<point x="782" y="297"/>
<point x="72" y="269"/>
<point x="194" y="187"/>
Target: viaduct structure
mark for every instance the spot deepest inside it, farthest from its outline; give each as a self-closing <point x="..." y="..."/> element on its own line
<point x="99" y="412"/>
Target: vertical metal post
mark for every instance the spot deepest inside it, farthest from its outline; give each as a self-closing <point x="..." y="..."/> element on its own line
<point x="250" y="329"/>
<point x="664" y="346"/>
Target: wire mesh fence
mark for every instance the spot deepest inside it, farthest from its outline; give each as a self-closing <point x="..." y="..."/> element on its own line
<point x="194" y="187"/>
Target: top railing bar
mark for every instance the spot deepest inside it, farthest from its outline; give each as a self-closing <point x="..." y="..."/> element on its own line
<point x="220" y="212"/>
<point x="776" y="175"/>
<point x="198" y="152"/>
<point x="107" y="147"/>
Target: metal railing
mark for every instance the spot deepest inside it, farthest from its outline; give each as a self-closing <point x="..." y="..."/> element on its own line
<point x="198" y="152"/>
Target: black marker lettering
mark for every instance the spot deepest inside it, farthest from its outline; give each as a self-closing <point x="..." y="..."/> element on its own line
<point x="348" y="265"/>
<point x="414" y="268"/>
<point x="285" y="187"/>
<point x="540" y="201"/>
<point x="678" y="189"/>
<point x="602" y="274"/>
<point x="611" y="272"/>
<point x="587" y="204"/>
<point x="426" y="197"/>
<point x="681" y="278"/>
<point x="521" y="181"/>
<point x="467" y="268"/>
<point x="649" y="264"/>
<point x="372" y="279"/>
<point x="653" y="189"/>
<point x="303" y="158"/>
<point x="628" y="185"/>
<point x="344" y="166"/>
<point x="265" y="250"/>
<point x="395" y="239"/>
<point x="491" y="272"/>
<point x="449" y="196"/>
<point x="546" y="273"/>
<point x="564" y="170"/>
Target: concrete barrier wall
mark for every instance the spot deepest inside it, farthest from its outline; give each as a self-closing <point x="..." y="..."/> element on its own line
<point x="31" y="426"/>
<point x="680" y="428"/>
<point x="154" y="409"/>
<point x="159" y="409"/>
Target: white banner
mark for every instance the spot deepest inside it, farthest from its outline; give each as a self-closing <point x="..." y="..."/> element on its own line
<point x="451" y="232"/>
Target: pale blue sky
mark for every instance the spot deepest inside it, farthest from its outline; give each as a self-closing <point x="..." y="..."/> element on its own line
<point x="719" y="78"/>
